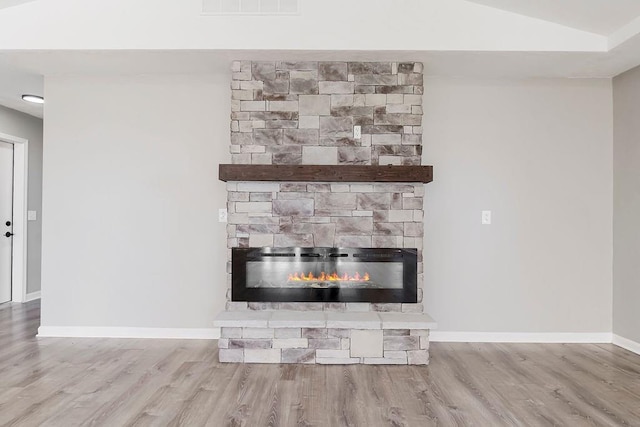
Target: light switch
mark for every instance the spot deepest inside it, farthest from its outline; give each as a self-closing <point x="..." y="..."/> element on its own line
<point x="222" y="215"/>
<point x="486" y="217"/>
<point x="32" y="215"/>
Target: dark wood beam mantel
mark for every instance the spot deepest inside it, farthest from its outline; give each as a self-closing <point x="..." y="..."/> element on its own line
<point x="326" y="173"/>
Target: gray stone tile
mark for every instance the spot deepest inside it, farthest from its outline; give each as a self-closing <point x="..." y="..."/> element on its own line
<point x="351" y="111"/>
<point x="297" y="65"/>
<point x="277" y="86"/>
<point x="354" y="241"/>
<point x="413" y="229"/>
<point x="268" y="136"/>
<point x="411" y="139"/>
<point x="376" y="129"/>
<point x="293" y="240"/>
<point x="303" y="86"/>
<point x="281" y="124"/>
<point x="354" y="155"/>
<point x="288" y="333"/>
<point x="386" y="307"/>
<point x="332" y="71"/>
<point x="262" y="356"/>
<point x="397" y="332"/>
<point x="253" y="105"/>
<point x="274" y="115"/>
<point x="319" y="155"/>
<point x="298" y="355"/>
<point x="284" y="106"/>
<point x="335" y="306"/>
<point x="388" y="228"/>
<point x="337" y="87"/>
<point x="325" y="343"/>
<point x="335" y="201"/>
<point x="309" y="122"/>
<point x="336" y="127"/>
<point x="341" y="101"/>
<point x="249" y="343"/>
<point x="261" y="306"/>
<point x="373" y="201"/>
<point x="286" y="154"/>
<point x="262" y="70"/>
<point x="314" y="332"/>
<point x="364" y="89"/>
<point x="241" y="138"/>
<point x="338" y="141"/>
<point x="319" y="188"/>
<point x="293" y="207"/>
<point x="369" y="67"/>
<point x="410" y="79"/>
<point x="412" y="203"/>
<point x="412" y="308"/>
<point x="406" y="89"/>
<point x="324" y="235"/>
<point x="406" y="67"/>
<point x="314" y="105"/>
<point x="377" y="79"/>
<point x="402" y="343"/>
<point x="287" y="187"/>
<point x="354" y="226"/>
<point x="387" y="242"/>
<point x="301" y="137"/>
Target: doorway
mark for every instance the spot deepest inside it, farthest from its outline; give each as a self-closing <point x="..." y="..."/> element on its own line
<point x="13" y="218"/>
<point x="6" y="220"/>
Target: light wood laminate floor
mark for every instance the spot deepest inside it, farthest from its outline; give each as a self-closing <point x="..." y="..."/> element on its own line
<point x="131" y="382"/>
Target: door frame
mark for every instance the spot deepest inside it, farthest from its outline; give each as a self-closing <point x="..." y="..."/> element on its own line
<point x="20" y="185"/>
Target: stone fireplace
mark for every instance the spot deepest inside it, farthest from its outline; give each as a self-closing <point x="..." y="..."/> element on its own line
<point x="304" y="113"/>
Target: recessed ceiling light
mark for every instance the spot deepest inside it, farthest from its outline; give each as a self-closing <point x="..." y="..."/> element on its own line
<point x="33" y="98"/>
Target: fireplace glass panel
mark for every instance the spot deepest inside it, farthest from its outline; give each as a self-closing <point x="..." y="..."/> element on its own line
<point x="324" y="274"/>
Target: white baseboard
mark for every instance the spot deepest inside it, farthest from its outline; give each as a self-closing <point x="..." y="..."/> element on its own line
<point x="32" y="296"/>
<point x="524" y="337"/>
<point x="120" y="332"/>
<point x="626" y="343"/>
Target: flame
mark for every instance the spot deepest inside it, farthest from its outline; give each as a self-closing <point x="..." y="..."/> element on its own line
<point x="325" y="277"/>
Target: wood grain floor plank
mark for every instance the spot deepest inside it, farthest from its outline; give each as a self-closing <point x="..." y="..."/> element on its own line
<point x="134" y="382"/>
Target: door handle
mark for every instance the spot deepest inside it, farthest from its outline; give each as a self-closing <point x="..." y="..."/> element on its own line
<point x="7" y="234"/>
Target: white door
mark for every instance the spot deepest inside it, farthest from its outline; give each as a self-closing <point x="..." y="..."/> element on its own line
<point x="6" y="219"/>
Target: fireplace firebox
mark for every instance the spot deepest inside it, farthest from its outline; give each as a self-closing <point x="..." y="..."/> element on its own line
<point x="375" y="275"/>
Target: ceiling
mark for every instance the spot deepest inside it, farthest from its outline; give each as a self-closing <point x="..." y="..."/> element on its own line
<point x="595" y="16"/>
<point x="21" y="71"/>
<point x="9" y="3"/>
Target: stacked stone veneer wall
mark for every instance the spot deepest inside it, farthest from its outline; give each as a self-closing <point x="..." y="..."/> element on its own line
<point x="304" y="113"/>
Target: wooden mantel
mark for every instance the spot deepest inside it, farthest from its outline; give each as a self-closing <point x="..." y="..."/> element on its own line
<point x="326" y="173"/>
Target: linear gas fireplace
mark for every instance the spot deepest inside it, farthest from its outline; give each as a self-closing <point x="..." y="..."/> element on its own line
<point x="376" y="275"/>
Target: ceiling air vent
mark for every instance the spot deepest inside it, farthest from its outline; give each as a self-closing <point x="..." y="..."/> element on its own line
<point x="251" y="7"/>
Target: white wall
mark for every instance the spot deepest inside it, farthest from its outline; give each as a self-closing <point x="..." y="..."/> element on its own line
<point x="626" y="205"/>
<point x="131" y="194"/>
<point x="538" y="153"/>
<point x="18" y="124"/>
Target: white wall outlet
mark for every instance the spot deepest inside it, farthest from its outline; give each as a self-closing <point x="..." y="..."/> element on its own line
<point x="486" y="217"/>
<point x="32" y="215"/>
<point x="222" y="215"/>
<point x="357" y="132"/>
